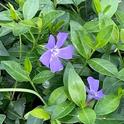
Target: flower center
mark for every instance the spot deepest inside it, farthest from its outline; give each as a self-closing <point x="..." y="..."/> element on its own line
<point x="54" y="51"/>
<point x="92" y="92"/>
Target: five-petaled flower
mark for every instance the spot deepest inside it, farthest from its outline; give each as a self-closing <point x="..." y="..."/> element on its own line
<point x="92" y="91"/>
<point x="51" y="58"/>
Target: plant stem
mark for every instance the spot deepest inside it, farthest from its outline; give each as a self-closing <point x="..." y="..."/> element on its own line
<point x="20" y="50"/>
<point x="121" y="59"/>
<point x="32" y="84"/>
<point x="22" y="90"/>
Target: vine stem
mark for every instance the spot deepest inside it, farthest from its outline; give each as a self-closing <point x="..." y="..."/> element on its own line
<point x="20" y="49"/>
<point x="32" y="84"/>
<point x="22" y="90"/>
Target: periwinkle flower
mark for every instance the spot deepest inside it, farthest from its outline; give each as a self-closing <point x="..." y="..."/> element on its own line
<point x="93" y="90"/>
<point x="51" y="58"/>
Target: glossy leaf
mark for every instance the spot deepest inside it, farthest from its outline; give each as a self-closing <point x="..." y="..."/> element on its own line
<point x="27" y="65"/>
<point x="29" y="10"/>
<point x="43" y="76"/>
<point x="61" y="110"/>
<point x="15" y="70"/>
<point x="58" y="96"/>
<point x="87" y="116"/>
<point x="40" y="113"/>
<point x="78" y="41"/>
<point x="76" y="88"/>
<point x="112" y="6"/>
<point x="103" y="66"/>
<point x="104" y="36"/>
<point x="2" y="118"/>
<point x="107" y="105"/>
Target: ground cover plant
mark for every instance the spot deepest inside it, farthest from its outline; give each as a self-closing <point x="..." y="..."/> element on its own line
<point x="61" y="61"/>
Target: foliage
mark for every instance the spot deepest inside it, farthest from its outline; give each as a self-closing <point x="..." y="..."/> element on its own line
<point x="30" y="93"/>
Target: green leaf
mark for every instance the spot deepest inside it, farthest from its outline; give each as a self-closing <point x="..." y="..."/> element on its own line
<point x="115" y="35"/>
<point x="97" y="5"/>
<point x="78" y="41"/>
<point x="33" y="120"/>
<point x="58" y="96"/>
<point x="3" y="51"/>
<point x="15" y="70"/>
<point x="76" y="2"/>
<point x="51" y="17"/>
<point x="104" y="36"/>
<point x="65" y="78"/>
<point x="107" y="105"/>
<point x="122" y="35"/>
<point x="87" y="116"/>
<point x="2" y="118"/>
<point x="112" y="4"/>
<point x="43" y="76"/>
<point x="5" y="16"/>
<point x="30" y="8"/>
<point x="76" y="88"/>
<point x="62" y="110"/>
<point x="27" y="65"/>
<point x="13" y="12"/>
<point x="103" y="66"/>
<point x="40" y="113"/>
<point x="4" y="31"/>
<point x="120" y="74"/>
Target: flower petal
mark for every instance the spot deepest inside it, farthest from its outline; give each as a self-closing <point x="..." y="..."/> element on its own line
<point x="45" y="58"/>
<point x="89" y="97"/>
<point x="55" y="64"/>
<point x="66" y="52"/>
<point x="51" y="42"/>
<point x="99" y="95"/>
<point x="93" y="83"/>
<point x="61" y="38"/>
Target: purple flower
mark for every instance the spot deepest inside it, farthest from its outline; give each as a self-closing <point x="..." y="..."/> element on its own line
<point x="93" y="92"/>
<point x="51" y="58"/>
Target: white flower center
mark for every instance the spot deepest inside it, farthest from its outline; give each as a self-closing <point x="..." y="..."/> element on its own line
<point x="54" y="51"/>
<point x="93" y="93"/>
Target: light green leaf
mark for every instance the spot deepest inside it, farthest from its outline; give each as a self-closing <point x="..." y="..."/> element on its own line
<point x="15" y="70"/>
<point x="40" y="113"/>
<point x="30" y="8"/>
<point x="122" y="35"/>
<point x="43" y="76"/>
<point x="76" y="88"/>
<point x="107" y="105"/>
<point x="97" y="5"/>
<point x="27" y="65"/>
<point x="104" y="36"/>
<point x="87" y="116"/>
<point x="112" y="6"/>
<point x="103" y="66"/>
<point x="58" y="96"/>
